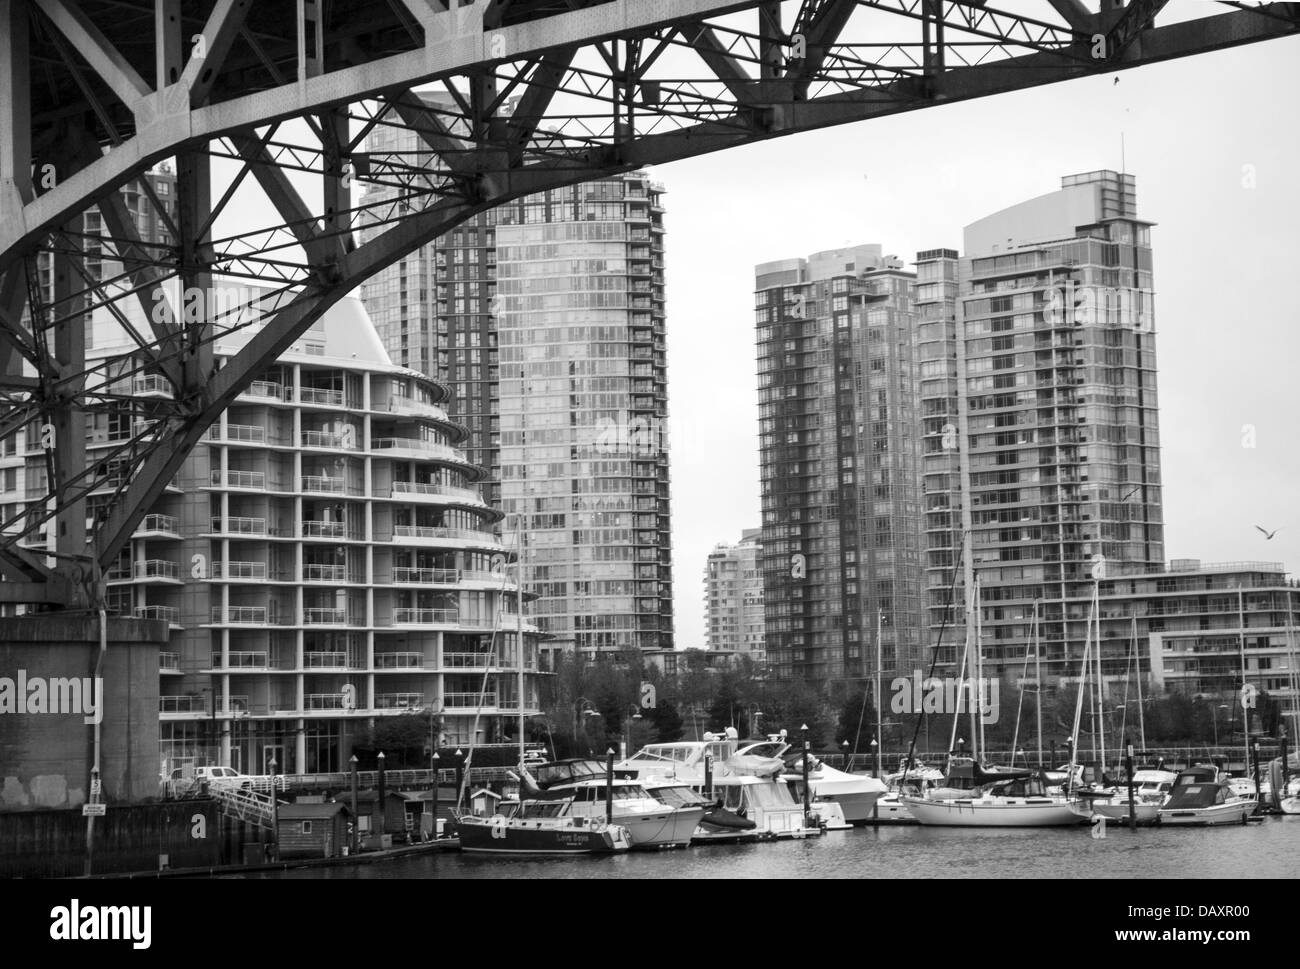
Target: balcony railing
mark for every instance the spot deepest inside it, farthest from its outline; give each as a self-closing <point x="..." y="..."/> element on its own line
<point x="157" y="569"/>
<point x="242" y="659"/>
<point x="324" y="573"/>
<point x="413" y="576"/>
<point x="169" y="662"/>
<point x="182" y="704"/>
<point x="403" y="701"/>
<point x="151" y="383"/>
<point x="158" y="523"/>
<point x="246" y="433"/>
<point x="324" y="617"/>
<point x="255" y="480"/>
<point x="263" y="390"/>
<point x="169" y="614"/>
<point x="399" y="661"/>
<point x="239" y="570"/>
<point x="325" y="661"/>
<point x="324" y="484"/>
<point x="239" y="614"/>
<point x="323" y="701"/>
<point x="421" y="531"/>
<point x="418" y="444"/>
<point x="405" y="405"/>
<point x="239" y="526"/>
<point x="434" y="488"/>
<point x="315" y="395"/>
<point x="320" y="529"/>
<point x="468" y="661"/>
<point x="420" y="617"/>
<point x="467" y="701"/>
<point x="329" y="439"/>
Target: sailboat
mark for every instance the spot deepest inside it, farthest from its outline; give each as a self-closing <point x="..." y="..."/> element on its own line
<point x="532" y="826"/>
<point x="1150" y="786"/>
<point x="995" y="799"/>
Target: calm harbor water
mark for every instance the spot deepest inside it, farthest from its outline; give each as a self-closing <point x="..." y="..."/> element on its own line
<point x="1268" y="849"/>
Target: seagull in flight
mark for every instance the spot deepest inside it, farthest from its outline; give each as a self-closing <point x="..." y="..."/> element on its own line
<point x="1268" y="536"/>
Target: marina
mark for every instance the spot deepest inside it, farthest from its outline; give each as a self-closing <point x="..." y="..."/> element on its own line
<point x="1260" y="850"/>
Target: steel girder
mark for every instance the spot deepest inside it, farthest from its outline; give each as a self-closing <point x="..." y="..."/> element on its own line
<point x="265" y="110"/>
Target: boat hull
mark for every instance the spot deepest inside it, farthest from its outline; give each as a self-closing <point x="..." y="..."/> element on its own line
<point x="1230" y="812"/>
<point x="890" y="809"/>
<point x="1145" y="812"/>
<point x="1030" y="812"/>
<point x="661" y="829"/>
<point x="502" y="836"/>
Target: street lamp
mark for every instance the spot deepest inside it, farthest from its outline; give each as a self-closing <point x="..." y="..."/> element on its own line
<point x="584" y="708"/>
<point x="961" y="746"/>
<point x="754" y="717"/>
<point x="848" y="762"/>
<point x="1214" y="718"/>
<point x="875" y="758"/>
<point x="627" y="730"/>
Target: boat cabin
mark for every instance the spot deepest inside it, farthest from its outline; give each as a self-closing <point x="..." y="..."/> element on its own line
<point x="1200" y="786"/>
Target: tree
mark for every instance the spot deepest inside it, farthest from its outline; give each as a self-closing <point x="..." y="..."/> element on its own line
<point x="404" y="740"/>
<point x="857" y="722"/>
<point x="667" y="722"/>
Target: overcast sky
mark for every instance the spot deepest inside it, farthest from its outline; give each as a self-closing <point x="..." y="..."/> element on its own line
<point x="1226" y="260"/>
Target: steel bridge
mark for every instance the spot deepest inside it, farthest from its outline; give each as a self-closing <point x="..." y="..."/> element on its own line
<point x="264" y="111"/>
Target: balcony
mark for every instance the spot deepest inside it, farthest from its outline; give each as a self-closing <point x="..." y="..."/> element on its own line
<point x="329" y="439"/>
<point x="317" y="616"/>
<point x="237" y="433"/>
<point x="399" y="661"/>
<point x="239" y="526"/>
<point x="151" y="385"/>
<point x="403" y="575"/>
<point x="324" y="573"/>
<point x="240" y="615"/>
<point x="239" y="570"/>
<point x="323" y="701"/>
<point x="425" y="617"/>
<point x="168" y="614"/>
<point x="398" y="701"/>
<point x="161" y="526"/>
<point x="182" y="704"/>
<point x="323" y="484"/>
<point x="322" y="529"/>
<point x="422" y="408"/>
<point x="325" y="661"/>
<point x="467" y="701"/>
<point x="314" y="395"/>
<point x="247" y="480"/>
<point x="405" y="488"/>
<point x="156" y="570"/>
<point x="263" y="390"/>
<point x="468" y="661"/>
<point x="242" y="660"/>
<point x="169" y="662"/>
<point x="465" y="534"/>
<point x="419" y="446"/>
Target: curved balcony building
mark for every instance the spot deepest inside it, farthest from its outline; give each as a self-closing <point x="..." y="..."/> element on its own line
<point x="326" y="560"/>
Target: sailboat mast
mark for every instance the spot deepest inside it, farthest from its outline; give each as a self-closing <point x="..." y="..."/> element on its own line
<point x="1038" y="680"/>
<point x="979" y="669"/>
<point x="1101" y="682"/>
<point x="1137" y="668"/>
<point x="519" y="630"/>
<point x="880" y="737"/>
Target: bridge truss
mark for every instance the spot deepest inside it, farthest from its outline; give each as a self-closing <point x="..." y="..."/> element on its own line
<point x="263" y="110"/>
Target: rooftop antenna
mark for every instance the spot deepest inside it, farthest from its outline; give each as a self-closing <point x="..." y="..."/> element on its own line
<point x="1123" y="167"/>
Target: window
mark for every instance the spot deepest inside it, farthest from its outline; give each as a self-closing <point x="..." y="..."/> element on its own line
<point x="306" y="827"/>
